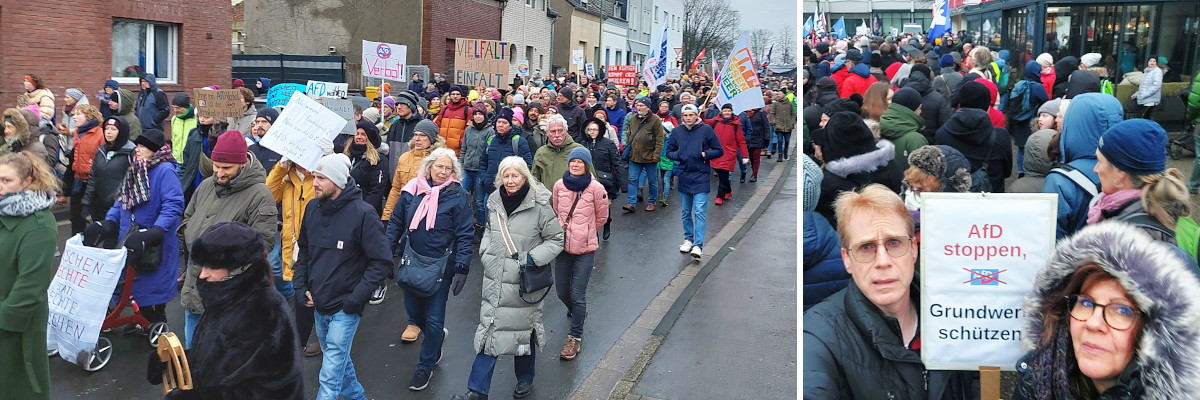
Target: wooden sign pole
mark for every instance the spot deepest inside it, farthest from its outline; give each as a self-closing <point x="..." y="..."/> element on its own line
<point x="989" y="383"/>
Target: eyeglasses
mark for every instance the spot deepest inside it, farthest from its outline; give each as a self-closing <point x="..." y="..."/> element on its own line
<point x="895" y="246"/>
<point x="1118" y="316"/>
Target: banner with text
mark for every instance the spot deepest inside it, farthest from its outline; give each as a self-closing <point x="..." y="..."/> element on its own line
<point x="79" y="296"/>
<point x="317" y="89"/>
<point x="979" y="256"/>
<point x="384" y="60"/>
<point x="221" y="103"/>
<point x="624" y="75"/>
<point x="481" y="62"/>
<point x="739" y="83"/>
<point x="280" y="94"/>
<point x="345" y="109"/>
<point x="301" y="130"/>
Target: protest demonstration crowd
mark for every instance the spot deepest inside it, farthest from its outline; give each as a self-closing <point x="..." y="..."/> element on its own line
<point x="891" y="123"/>
<point x="274" y="258"/>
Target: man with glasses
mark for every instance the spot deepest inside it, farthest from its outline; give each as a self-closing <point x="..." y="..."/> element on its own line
<point x="863" y="342"/>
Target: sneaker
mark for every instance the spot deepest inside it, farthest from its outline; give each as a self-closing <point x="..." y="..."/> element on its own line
<point x="378" y="295"/>
<point x="728" y="195"/>
<point x="410" y="334"/>
<point x="662" y="203"/>
<point x="313" y="349"/>
<point x="686" y="246"/>
<point x="570" y="348"/>
<point x="754" y="178"/>
<point x="471" y="395"/>
<point x="719" y="201"/>
<point x="442" y="350"/>
<point x="420" y="379"/>
<point x="697" y="252"/>
<point x="522" y="390"/>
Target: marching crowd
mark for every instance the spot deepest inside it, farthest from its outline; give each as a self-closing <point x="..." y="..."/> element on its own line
<point x="264" y="252"/>
<point x="886" y="119"/>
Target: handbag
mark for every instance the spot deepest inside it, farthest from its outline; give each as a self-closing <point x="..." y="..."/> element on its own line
<point x="421" y="274"/>
<point x="532" y="277"/>
<point x="149" y="259"/>
<point x="628" y="151"/>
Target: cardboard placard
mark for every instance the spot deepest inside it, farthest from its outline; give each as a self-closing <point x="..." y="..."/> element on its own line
<point x="301" y="130"/>
<point x="281" y="94"/>
<point x="384" y="60"/>
<point x="480" y="62"/>
<point x="624" y="75"/>
<point x="78" y="297"/>
<point x="223" y="103"/>
<point x="345" y="109"/>
<point x="317" y="89"/>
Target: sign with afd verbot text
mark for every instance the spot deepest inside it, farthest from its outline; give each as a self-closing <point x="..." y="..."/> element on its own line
<point x="979" y="256"/>
<point x="316" y="89"/>
<point x="624" y="75"/>
<point x="480" y="62"/>
<point x="301" y="130"/>
<point x="384" y="60"/>
<point x="221" y="103"/>
<point x="79" y="296"/>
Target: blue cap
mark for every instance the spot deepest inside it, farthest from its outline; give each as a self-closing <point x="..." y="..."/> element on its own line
<point x="1136" y="146"/>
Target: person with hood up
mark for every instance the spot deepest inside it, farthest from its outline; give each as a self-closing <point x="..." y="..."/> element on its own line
<point x="425" y="138"/>
<point x="245" y="122"/>
<point x="581" y="204"/>
<point x="88" y="136"/>
<point x="196" y="163"/>
<point x="475" y="142"/>
<point x="1149" y="93"/>
<point x="18" y="136"/>
<point x="971" y="132"/>
<point x="606" y="162"/>
<point x="183" y="120"/>
<point x="730" y="133"/>
<point x="948" y="78"/>
<point x="152" y="106"/>
<point x="824" y="92"/>
<point x="858" y="77"/>
<point x="533" y="127"/>
<point x="994" y="115"/>
<point x="110" y="163"/>
<point x="106" y="94"/>
<point x="902" y="123"/>
<point x="246" y="345"/>
<point x="550" y="161"/>
<point x="1028" y="92"/>
<point x="36" y="94"/>
<point x="1108" y="319"/>
<point x="123" y="106"/>
<point x="1062" y="73"/>
<point x="935" y="108"/>
<point x="1037" y="163"/>
<point x="1046" y="73"/>
<point x="1084" y="121"/>
<point x="1135" y="184"/>
<point x="262" y="86"/>
<point x="853" y="158"/>
<point x="452" y="121"/>
<point x="824" y="272"/>
<point x="367" y="166"/>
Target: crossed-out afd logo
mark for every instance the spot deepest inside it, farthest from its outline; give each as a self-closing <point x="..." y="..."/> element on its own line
<point x="984" y="277"/>
<point x="383" y="51"/>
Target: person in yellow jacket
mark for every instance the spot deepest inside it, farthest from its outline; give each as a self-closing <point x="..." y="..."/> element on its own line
<point x="292" y="187"/>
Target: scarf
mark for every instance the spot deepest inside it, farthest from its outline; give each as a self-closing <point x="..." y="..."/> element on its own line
<point x="1108" y="202"/>
<point x="136" y="188"/>
<point x="357" y="150"/>
<point x="87" y="126"/>
<point x="480" y="126"/>
<point x="25" y="203"/>
<point x="511" y="201"/>
<point x="576" y="183"/>
<point x="433" y="110"/>
<point x="428" y="208"/>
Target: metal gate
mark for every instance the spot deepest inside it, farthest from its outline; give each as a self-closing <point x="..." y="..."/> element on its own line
<point x="283" y="68"/>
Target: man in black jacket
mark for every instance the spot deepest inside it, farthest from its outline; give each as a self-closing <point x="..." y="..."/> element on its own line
<point x="344" y="257"/>
<point x="863" y="342"/>
<point x="571" y="112"/>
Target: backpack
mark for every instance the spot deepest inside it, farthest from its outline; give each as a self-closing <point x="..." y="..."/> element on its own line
<point x="57" y="151"/>
<point x="980" y="183"/>
<point x="1079" y="178"/>
<point x="1106" y="87"/>
<point x="514" y="144"/>
<point x="1017" y="106"/>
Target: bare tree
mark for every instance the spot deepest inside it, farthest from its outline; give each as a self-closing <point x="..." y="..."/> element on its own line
<point x="710" y="24"/>
<point x="786" y="41"/>
<point x="760" y="42"/>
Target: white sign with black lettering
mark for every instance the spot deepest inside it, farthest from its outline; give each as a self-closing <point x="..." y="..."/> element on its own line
<point x="301" y="129"/>
<point x="979" y="256"/>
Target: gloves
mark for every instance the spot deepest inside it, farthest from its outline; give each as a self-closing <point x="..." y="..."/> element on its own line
<point x="143" y="238"/>
<point x="456" y="286"/>
<point x="98" y="232"/>
<point x="155" y="369"/>
<point x="745" y="161"/>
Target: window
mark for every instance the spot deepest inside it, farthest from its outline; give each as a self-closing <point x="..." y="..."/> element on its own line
<point x="656" y="14"/>
<point x="142" y="46"/>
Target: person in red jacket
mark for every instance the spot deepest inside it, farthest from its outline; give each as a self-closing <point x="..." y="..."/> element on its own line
<point x="728" y="128"/>
<point x="1047" y="75"/>
<point x="996" y="116"/>
<point x="858" y="77"/>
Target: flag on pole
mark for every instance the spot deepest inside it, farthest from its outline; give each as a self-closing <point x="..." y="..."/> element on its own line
<point x="767" y="60"/>
<point x="716" y="73"/>
<point x="738" y="83"/>
<point x="839" y="28"/>
<point x="655" y="69"/>
<point x="808" y="27"/>
<point x="941" y="19"/>
<point x="820" y="22"/>
<point x="696" y="62"/>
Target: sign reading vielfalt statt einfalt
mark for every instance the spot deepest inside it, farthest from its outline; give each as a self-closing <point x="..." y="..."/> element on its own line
<point x="980" y="253"/>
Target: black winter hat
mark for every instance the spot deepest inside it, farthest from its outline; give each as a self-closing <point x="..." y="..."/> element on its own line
<point x="846" y="135"/>
<point x="922" y="68"/>
<point x="854" y="55"/>
<point x="853" y="104"/>
<point x="153" y="139"/>
<point x="268" y="113"/>
<point x="907" y="97"/>
<point x="228" y="245"/>
<point x="371" y="131"/>
<point x="973" y="95"/>
<point x="181" y="100"/>
<point x="823" y="48"/>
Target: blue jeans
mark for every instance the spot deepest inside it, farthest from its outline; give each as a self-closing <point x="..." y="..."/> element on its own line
<point x="693" y="207"/>
<point x="571" y="275"/>
<point x="473" y="182"/>
<point x="773" y="146"/>
<point x="190" y="320"/>
<point x="665" y="177"/>
<point x="738" y="161"/>
<point x="429" y="313"/>
<point x="337" y="376"/>
<point x="480" y="380"/>
<point x="636" y="172"/>
<point x="285" y="288"/>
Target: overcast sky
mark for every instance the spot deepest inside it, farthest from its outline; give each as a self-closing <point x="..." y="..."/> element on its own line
<point x="769" y="14"/>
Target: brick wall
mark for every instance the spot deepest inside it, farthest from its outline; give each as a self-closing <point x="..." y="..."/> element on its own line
<point x="76" y="51"/>
<point x="446" y="20"/>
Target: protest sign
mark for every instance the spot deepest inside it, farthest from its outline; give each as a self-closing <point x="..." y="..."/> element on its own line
<point x="980" y="254"/>
<point x="317" y="89"/>
<point x="674" y="73"/>
<point x="221" y="103"/>
<point x="481" y="62"/>
<point x="523" y="68"/>
<point x="384" y="60"/>
<point x="345" y="109"/>
<point x="577" y="57"/>
<point x="280" y="94"/>
<point x="624" y="75"/>
<point x="79" y="296"/>
<point x="738" y="82"/>
<point x="301" y="129"/>
<point x="589" y="69"/>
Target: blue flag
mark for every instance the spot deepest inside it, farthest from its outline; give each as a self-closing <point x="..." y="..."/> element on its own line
<point x="808" y="26"/>
<point x="941" y="19"/>
<point x="839" y="28"/>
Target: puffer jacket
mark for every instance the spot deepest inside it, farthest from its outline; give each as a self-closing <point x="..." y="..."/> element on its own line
<point x="591" y="212"/>
<point x="1150" y="91"/>
<point x="501" y="147"/>
<point x="970" y="132"/>
<point x="453" y="228"/>
<point x="647" y="144"/>
<point x="606" y="158"/>
<point x="86" y="143"/>
<point x="853" y="172"/>
<point x="452" y="124"/>
<point x="406" y="170"/>
<point x="824" y="272"/>
<point x="245" y="199"/>
<point x="509" y="325"/>
<point x="43" y="98"/>
<point x="550" y="162"/>
<point x="1088" y="117"/>
<point x="106" y="178"/>
<point x="732" y="139"/>
<point x="125" y="102"/>
<point x="903" y="127"/>
<point x="857" y="80"/>
<point x="474" y="143"/>
<point x="374" y="179"/>
<point x="152" y="105"/>
<point x="935" y="110"/>
<point x="757" y="130"/>
<point x="162" y="209"/>
<point x="292" y="199"/>
<point x="1153" y="273"/>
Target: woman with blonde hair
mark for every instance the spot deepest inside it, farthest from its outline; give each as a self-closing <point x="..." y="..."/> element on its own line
<point x="876" y="101"/>
<point x="1135" y="184"/>
<point x="367" y="166"/>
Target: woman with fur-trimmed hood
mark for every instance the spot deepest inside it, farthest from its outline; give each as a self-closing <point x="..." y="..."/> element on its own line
<point x="1112" y="317"/>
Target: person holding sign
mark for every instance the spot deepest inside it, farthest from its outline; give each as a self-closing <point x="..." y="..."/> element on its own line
<point x="863" y="342"/>
<point x="27" y="242"/>
<point x="1111" y="316"/>
<point x="1135" y="184"/>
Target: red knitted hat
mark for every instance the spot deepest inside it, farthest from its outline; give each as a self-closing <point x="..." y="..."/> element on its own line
<point x="231" y="148"/>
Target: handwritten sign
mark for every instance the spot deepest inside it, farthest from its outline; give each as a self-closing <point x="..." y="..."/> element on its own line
<point x="523" y="68"/>
<point x="384" y="60"/>
<point x="345" y="109"/>
<point x="301" y="130"/>
<point x="625" y="75"/>
<point x="317" y="89"/>
<point x="79" y="297"/>
<point x="281" y="94"/>
<point x="589" y="69"/>
<point x="979" y="257"/>
<point x="218" y="103"/>
<point x="577" y="57"/>
<point x="481" y="62"/>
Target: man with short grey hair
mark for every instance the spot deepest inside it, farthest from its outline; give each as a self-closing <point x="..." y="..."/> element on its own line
<point x="550" y="161"/>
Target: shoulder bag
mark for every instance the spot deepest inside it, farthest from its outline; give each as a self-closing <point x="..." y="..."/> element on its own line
<point x="533" y="277"/>
<point x="628" y="152"/>
<point x="421" y="274"/>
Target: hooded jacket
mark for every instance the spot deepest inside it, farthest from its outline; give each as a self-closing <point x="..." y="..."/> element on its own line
<point x="27" y="246"/>
<point x="125" y="106"/>
<point x="1047" y="77"/>
<point x="292" y="193"/>
<point x="1031" y="86"/>
<point x="453" y="228"/>
<point x="616" y="118"/>
<point x="935" y="110"/>
<point x="970" y="132"/>
<point x="374" y="180"/>
<point x="903" y="127"/>
<point x="344" y="255"/>
<point x="501" y="147"/>
<point x="685" y="145"/>
<point x="606" y="160"/>
<point x="783" y="115"/>
<point x="1089" y="115"/>
<point x="152" y="105"/>
<point x="1193" y="102"/>
<point x="575" y="116"/>
<point x="245" y="122"/>
<point x="1037" y="163"/>
<point x="1157" y="277"/>
<point x="946" y="82"/>
<point x="857" y="81"/>
<point x="824" y="272"/>
<point x="1082" y="81"/>
<point x="825" y="91"/>
<point x="108" y="173"/>
<point x="162" y="209"/>
<point x="856" y="171"/>
<point x="1062" y="73"/>
<point x="550" y="162"/>
<point x="732" y="138"/>
<point x="266" y="86"/>
<point x="245" y="199"/>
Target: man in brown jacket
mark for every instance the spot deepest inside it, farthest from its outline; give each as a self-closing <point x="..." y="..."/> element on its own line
<point x="783" y="114"/>
<point x="644" y="144"/>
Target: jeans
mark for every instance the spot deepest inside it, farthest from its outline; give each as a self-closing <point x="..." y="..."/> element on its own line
<point x="190" y="320"/>
<point x="665" y="176"/>
<point x="473" y="182"/>
<point x="429" y="313"/>
<point x="738" y="161"/>
<point x="275" y="257"/>
<point x="785" y="141"/>
<point x="571" y="275"/>
<point x="693" y="208"/>
<point x="723" y="184"/>
<point x="480" y="380"/>
<point x="636" y="172"/>
<point x="773" y="146"/>
<point x="1020" y="160"/>
<point x="337" y="376"/>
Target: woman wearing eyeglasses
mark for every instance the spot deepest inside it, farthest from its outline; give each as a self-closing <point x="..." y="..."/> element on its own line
<point x="1112" y="317"/>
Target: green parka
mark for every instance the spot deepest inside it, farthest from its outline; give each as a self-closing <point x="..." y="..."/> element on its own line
<point x="1193" y="108"/>
<point x="26" y="268"/>
<point x="903" y="128"/>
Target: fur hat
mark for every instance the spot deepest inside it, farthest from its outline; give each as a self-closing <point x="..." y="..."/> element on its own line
<point x="228" y="245"/>
<point x="946" y="164"/>
<point x="1135" y="146"/>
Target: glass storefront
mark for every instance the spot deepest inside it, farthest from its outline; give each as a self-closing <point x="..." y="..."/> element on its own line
<point x="893" y="22"/>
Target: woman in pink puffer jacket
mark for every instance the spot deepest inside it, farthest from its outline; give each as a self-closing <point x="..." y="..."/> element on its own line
<point x="581" y="204"/>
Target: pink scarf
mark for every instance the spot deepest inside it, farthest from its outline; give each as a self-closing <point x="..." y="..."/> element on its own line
<point x="428" y="208"/>
<point x="1111" y="202"/>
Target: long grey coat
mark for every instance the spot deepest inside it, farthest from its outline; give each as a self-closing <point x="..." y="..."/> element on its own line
<point x="507" y="323"/>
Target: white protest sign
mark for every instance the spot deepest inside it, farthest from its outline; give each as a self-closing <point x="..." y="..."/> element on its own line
<point x="589" y="69"/>
<point x="523" y="68"/>
<point x="79" y="297"/>
<point x="384" y="60"/>
<point x="301" y="128"/>
<point x="577" y="57"/>
<point x="317" y="89"/>
<point x="345" y="109"/>
<point x="979" y="256"/>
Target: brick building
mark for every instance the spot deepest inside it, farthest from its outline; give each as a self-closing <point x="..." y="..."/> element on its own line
<point x="186" y="44"/>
